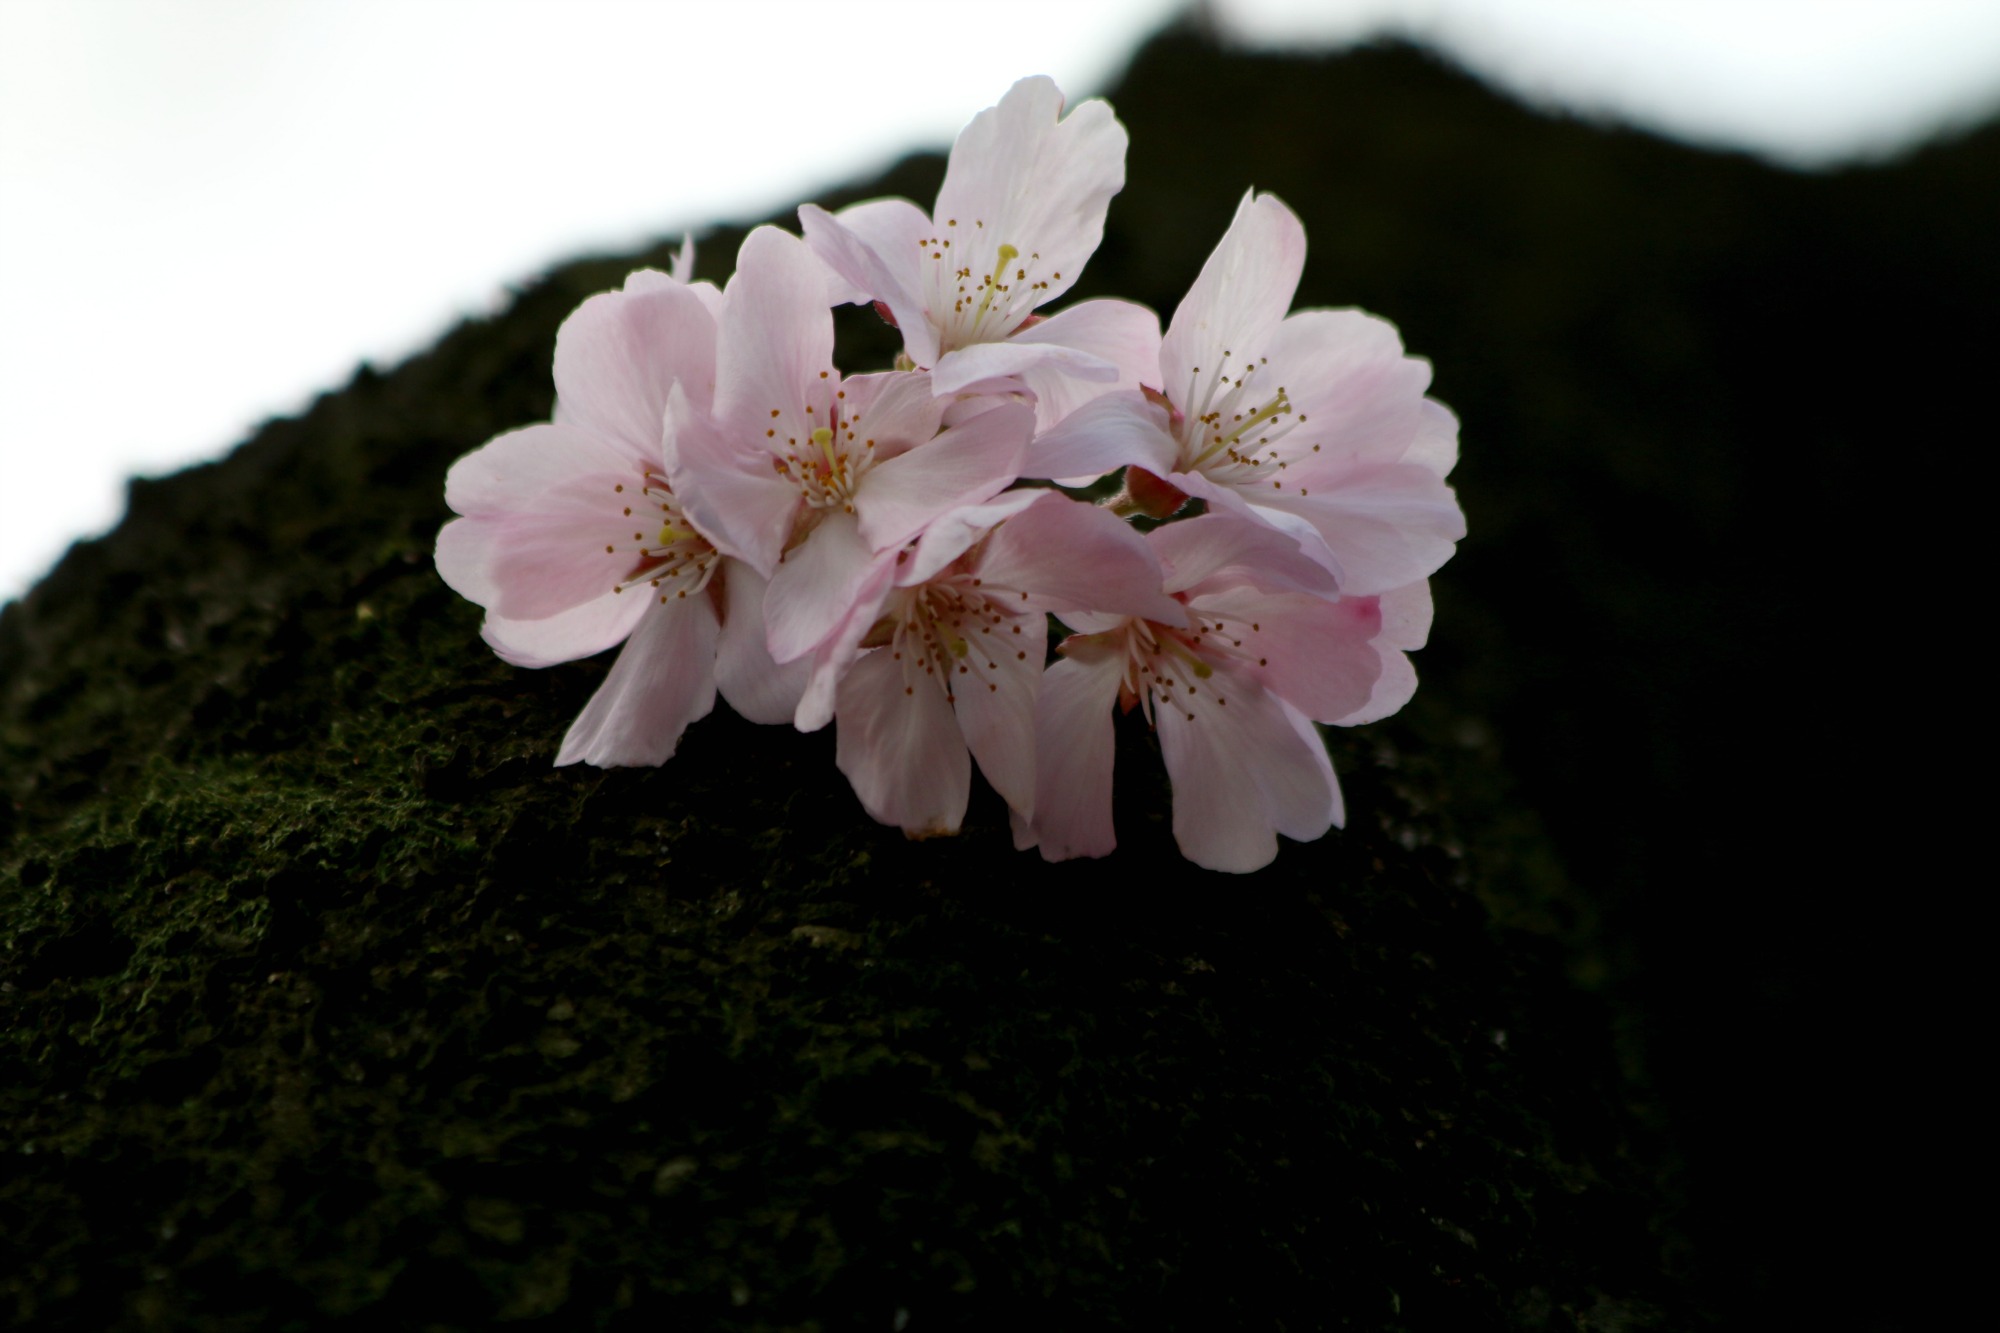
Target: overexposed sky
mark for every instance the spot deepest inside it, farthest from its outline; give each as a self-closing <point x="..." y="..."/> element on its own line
<point x="211" y="210"/>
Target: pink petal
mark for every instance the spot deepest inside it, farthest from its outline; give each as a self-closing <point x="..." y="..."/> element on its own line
<point x="1238" y="300"/>
<point x="1252" y="507"/>
<point x="582" y="631"/>
<point x="465" y="558"/>
<point x="1216" y="551"/>
<point x="755" y="686"/>
<point x="966" y="464"/>
<point x="1034" y="182"/>
<point x="1387" y="524"/>
<point x="1075" y="744"/>
<point x="1023" y="829"/>
<point x="1435" y="445"/>
<point x="1304" y="810"/>
<point x="1406" y="624"/>
<point x="1069" y="556"/>
<point x="817" y="584"/>
<point x="875" y="250"/>
<point x="506" y="475"/>
<point x="895" y="409"/>
<point x="995" y="699"/>
<point x="900" y="747"/>
<point x="1354" y="393"/>
<point x="732" y="494"/>
<point x="544" y="522"/>
<point x="1406" y="616"/>
<point x="662" y="681"/>
<point x="1240" y="771"/>
<point x="954" y="533"/>
<point x="1318" y="655"/>
<point x="620" y="352"/>
<point x="835" y="653"/>
<point x="1121" y="333"/>
<point x="774" y="347"/>
<point x="984" y="366"/>
<point x="1110" y="432"/>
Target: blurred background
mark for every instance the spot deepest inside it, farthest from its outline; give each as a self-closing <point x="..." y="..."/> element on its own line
<point x="211" y="210"/>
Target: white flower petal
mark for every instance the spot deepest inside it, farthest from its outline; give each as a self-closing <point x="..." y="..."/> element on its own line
<point x="817" y="585"/>
<point x="620" y="352"/>
<point x="775" y="341"/>
<point x="1387" y="524"/>
<point x="1241" y="770"/>
<point x="1216" y="551"/>
<point x="1317" y="654"/>
<point x="1075" y="745"/>
<point x="1122" y="334"/>
<point x="994" y="693"/>
<point x="544" y="529"/>
<point x="756" y="687"/>
<point x="1406" y="624"/>
<point x="873" y="251"/>
<point x="582" y="631"/>
<point x="1304" y="799"/>
<point x="891" y="412"/>
<point x="663" y="680"/>
<point x="954" y="533"/>
<point x="900" y="747"/>
<point x="964" y="465"/>
<point x="1357" y="398"/>
<point x="1435" y="444"/>
<point x="1238" y="300"/>
<point x="1068" y="556"/>
<point x="990" y="367"/>
<point x="1107" y="433"/>
<point x="1022" y="179"/>
<point x="732" y="495"/>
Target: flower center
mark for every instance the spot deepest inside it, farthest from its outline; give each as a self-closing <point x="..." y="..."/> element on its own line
<point x="672" y="558"/>
<point x="1231" y="429"/>
<point x="974" y="299"/>
<point x="1170" y="667"/>
<point x="829" y="461"/>
<point x="952" y="631"/>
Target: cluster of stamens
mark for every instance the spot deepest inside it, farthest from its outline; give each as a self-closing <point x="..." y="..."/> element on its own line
<point x="951" y="630"/>
<point x="672" y="559"/>
<point x="984" y="304"/>
<point x="1168" y="666"/>
<point x="1226" y="433"/>
<point x="828" y="463"/>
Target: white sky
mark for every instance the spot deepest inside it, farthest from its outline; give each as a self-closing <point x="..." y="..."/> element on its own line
<point x="211" y="210"/>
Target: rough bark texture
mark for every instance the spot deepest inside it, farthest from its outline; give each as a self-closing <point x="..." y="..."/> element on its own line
<point x="327" y="1001"/>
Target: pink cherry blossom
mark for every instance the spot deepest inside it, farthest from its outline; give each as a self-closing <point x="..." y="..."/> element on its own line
<point x="1020" y="211"/>
<point x="812" y="479"/>
<point x="1233" y="687"/>
<point x="945" y="661"/>
<point x="1315" y="424"/>
<point x="716" y="497"/>
<point x="572" y="539"/>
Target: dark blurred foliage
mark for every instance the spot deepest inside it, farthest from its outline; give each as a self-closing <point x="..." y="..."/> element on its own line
<point x="327" y="1001"/>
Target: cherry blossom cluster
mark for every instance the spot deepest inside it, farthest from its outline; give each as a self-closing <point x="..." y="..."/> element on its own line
<point x="893" y="552"/>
